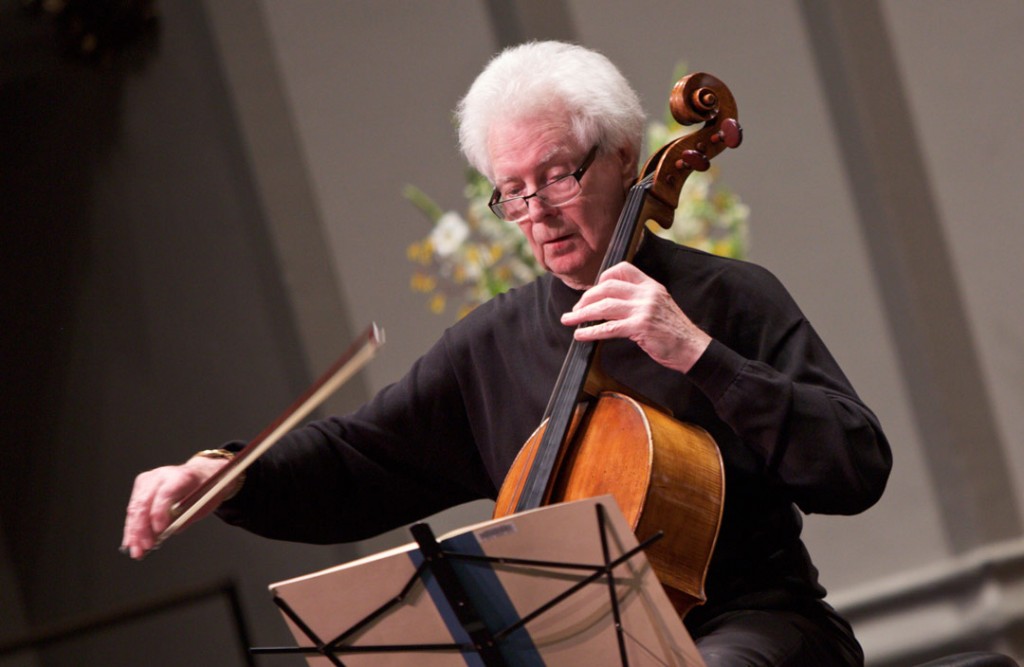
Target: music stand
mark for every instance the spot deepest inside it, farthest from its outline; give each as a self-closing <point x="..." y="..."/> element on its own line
<point x="481" y="596"/>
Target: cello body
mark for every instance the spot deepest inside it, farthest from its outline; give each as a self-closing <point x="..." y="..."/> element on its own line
<point x="665" y="475"/>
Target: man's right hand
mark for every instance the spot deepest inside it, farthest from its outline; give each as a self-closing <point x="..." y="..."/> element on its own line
<point x="154" y="494"/>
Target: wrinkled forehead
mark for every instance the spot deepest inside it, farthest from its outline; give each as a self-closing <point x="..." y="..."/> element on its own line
<point x="531" y="143"/>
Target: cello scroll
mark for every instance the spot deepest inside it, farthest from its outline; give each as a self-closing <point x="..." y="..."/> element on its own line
<point x="696" y="98"/>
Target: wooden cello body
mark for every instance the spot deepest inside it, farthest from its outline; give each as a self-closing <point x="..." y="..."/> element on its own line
<point x="665" y="476"/>
<point x="599" y="437"/>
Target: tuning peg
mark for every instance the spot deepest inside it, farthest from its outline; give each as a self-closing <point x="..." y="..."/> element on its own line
<point x="696" y="160"/>
<point x="731" y="133"/>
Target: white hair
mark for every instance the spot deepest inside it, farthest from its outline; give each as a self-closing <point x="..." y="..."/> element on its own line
<point x="537" y="79"/>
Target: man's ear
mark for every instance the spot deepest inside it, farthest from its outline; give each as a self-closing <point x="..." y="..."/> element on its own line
<point x="628" y="159"/>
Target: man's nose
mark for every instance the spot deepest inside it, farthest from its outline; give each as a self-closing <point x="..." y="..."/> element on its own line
<point x="539" y="209"/>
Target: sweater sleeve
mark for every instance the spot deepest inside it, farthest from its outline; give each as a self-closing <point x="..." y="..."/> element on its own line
<point x="406" y="454"/>
<point x="787" y="399"/>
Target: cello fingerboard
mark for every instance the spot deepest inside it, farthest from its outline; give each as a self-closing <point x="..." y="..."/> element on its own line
<point x="568" y="389"/>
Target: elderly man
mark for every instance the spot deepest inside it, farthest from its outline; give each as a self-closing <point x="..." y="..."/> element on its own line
<point x="557" y="129"/>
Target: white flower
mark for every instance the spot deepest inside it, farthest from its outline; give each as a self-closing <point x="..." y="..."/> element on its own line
<point x="448" y="234"/>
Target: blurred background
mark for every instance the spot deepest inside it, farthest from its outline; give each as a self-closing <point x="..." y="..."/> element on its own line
<point x="201" y="205"/>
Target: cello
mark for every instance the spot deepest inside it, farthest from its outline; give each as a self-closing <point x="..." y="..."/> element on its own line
<point x="599" y="437"/>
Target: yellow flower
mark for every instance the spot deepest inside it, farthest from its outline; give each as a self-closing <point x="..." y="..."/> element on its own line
<point x="496" y="252"/>
<point x="421" y="282"/>
<point x="724" y="247"/>
<point x="420" y="252"/>
<point x="437" y="303"/>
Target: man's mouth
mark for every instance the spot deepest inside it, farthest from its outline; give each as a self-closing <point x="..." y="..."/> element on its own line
<point x="557" y="241"/>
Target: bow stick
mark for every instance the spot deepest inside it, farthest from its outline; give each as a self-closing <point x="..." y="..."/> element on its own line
<point x="348" y="364"/>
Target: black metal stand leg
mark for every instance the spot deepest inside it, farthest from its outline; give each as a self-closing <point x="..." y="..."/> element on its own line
<point x="451" y="587"/>
<point x="612" y="593"/>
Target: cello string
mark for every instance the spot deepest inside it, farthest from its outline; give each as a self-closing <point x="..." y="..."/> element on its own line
<point x="577" y="365"/>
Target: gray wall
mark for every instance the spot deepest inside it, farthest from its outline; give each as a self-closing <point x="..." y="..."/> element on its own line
<point x="193" y="240"/>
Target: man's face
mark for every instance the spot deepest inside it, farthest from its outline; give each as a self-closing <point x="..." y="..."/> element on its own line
<point x="568" y="240"/>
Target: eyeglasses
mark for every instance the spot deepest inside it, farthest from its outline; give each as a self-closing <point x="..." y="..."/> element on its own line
<point x="558" y="192"/>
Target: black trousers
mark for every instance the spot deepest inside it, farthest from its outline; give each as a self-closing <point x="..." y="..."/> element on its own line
<point x="773" y="638"/>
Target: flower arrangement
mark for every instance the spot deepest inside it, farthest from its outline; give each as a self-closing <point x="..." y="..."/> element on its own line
<point x="466" y="260"/>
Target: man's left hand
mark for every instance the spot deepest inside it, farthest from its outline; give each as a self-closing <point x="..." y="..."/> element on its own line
<point x="626" y="303"/>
